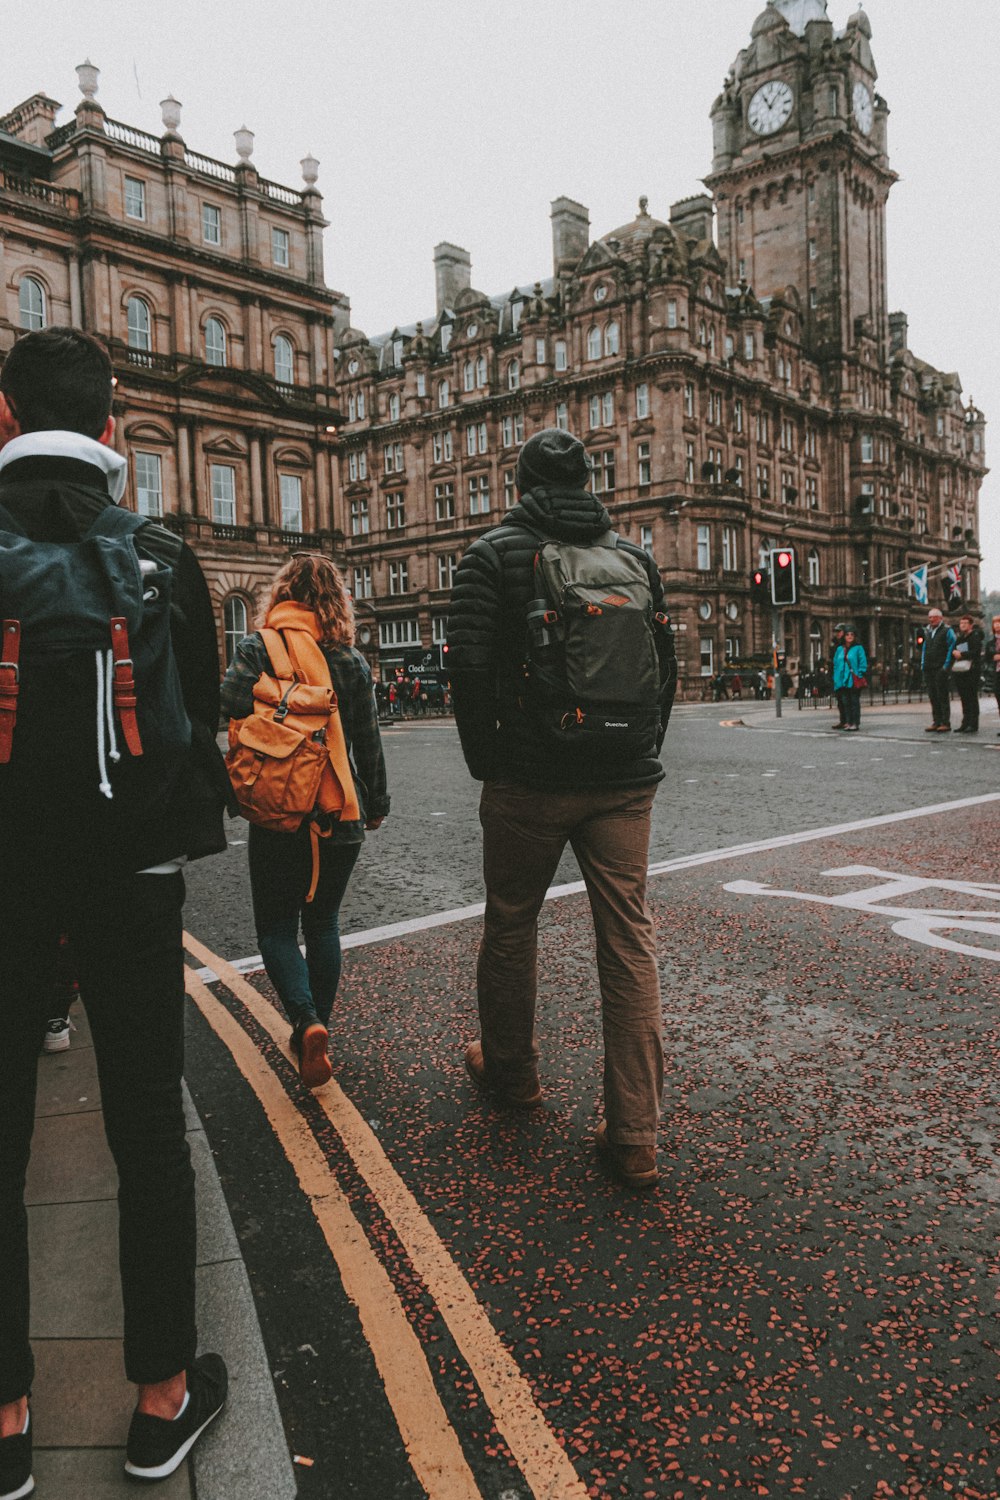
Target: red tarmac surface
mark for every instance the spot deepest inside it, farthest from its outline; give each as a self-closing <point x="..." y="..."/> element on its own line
<point x="807" y="1305"/>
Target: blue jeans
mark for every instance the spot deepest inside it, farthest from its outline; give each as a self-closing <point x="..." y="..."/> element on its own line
<point x="280" y="872"/>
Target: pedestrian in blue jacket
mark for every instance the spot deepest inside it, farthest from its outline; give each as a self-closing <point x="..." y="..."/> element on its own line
<point x="856" y="671"/>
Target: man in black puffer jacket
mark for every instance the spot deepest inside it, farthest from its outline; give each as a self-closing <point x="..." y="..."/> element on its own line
<point x="539" y="794"/>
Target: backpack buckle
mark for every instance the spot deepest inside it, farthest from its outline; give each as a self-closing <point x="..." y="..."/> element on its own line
<point x="11" y="666"/>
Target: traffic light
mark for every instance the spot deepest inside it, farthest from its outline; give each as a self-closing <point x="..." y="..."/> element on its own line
<point x="784" y="582"/>
<point x="760" y="586"/>
<point x="920" y="640"/>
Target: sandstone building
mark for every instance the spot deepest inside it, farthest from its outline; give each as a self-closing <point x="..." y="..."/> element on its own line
<point x="734" y="369"/>
<point x="207" y="282"/>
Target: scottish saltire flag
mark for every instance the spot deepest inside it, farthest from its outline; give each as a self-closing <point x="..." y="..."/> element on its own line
<point x="918" y="584"/>
<point x="951" y="585"/>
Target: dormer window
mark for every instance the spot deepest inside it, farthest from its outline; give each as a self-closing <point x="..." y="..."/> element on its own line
<point x="397" y="352"/>
<point x="516" y="309"/>
<point x="444" y="335"/>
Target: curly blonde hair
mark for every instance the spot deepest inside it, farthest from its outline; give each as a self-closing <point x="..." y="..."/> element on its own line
<point x="314" y="581"/>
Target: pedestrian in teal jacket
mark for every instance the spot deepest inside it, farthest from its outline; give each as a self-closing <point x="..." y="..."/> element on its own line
<point x="855" y="670"/>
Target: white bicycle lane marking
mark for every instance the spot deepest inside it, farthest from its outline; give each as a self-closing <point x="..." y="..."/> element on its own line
<point x="920" y="924"/>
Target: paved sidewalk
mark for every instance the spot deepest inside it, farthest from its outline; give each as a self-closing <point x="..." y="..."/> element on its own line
<point x="81" y="1403"/>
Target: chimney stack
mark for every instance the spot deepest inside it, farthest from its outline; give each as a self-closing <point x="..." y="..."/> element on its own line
<point x="452" y="274"/>
<point x="899" y="332"/>
<point x="692" y="217"/>
<point x="570" y="234"/>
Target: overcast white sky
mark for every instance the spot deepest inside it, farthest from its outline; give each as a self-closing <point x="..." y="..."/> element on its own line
<point x="461" y="120"/>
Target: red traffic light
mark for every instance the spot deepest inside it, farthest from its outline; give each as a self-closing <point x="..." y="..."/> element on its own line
<point x="784" y="559"/>
<point x="758" y="577"/>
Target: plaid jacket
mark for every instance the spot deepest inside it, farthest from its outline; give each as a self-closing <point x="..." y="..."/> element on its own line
<point x="352" y="680"/>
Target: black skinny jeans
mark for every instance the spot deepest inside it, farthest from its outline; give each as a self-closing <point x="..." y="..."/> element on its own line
<point x="125" y="937"/>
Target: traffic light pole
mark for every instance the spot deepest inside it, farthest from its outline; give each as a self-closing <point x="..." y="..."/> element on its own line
<point x="776" y="636"/>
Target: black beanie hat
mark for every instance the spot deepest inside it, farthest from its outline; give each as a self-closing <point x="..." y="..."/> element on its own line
<point x="552" y="457"/>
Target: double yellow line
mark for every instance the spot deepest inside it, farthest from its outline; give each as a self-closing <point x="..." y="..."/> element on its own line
<point x="430" y="1440"/>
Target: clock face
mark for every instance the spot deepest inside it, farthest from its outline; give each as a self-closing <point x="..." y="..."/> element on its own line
<point x="770" y="107"/>
<point x="862" y="102"/>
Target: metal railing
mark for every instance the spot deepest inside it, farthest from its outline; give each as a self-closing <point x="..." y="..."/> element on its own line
<point x="233" y="533"/>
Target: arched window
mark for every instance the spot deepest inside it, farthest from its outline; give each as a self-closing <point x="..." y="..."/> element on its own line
<point x="481" y="371"/>
<point x="611" y="339"/>
<point x="284" y="360"/>
<point x="469" y="375"/>
<point x="812" y="567"/>
<point x="215" y="342"/>
<point x="234" y="623"/>
<point x="711" y="338"/>
<point x="137" y="315"/>
<point x="514" y="375"/>
<point x="444" y="393"/>
<point x="31" y="303"/>
<point x="594" y="344"/>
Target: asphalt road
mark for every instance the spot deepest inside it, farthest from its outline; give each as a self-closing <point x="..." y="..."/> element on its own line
<point x="722" y="787"/>
<point x="807" y="1304"/>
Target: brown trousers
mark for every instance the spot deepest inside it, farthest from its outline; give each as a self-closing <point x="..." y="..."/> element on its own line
<point x="524" y="834"/>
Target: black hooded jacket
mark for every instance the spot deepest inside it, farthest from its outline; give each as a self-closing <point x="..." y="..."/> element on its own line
<point x="57" y="499"/>
<point x="487" y="644"/>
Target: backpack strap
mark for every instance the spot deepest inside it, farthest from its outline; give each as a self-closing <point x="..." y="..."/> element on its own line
<point x="279" y="658"/>
<point x="10" y="651"/>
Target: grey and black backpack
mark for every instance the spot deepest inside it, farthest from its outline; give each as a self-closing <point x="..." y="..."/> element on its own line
<point x="593" y="673"/>
<point x="91" y="708"/>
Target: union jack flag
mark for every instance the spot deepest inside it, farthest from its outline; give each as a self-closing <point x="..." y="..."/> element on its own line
<point x="951" y="585"/>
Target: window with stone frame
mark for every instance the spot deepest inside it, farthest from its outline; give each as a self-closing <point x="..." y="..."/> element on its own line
<point x="447" y="566"/>
<point x="148" y="484"/>
<point x="611" y="339"/>
<point x="363" y="581"/>
<point x="223" y="486"/>
<point x="644" y="467"/>
<point x="284" y="360"/>
<point x="812" y="492"/>
<point x="689" y="399"/>
<point x="234" y="624"/>
<point x="211" y="224"/>
<point x="280" y="248"/>
<point x="646" y="539"/>
<point x="509" y="488"/>
<point x="641" y="401"/>
<point x="395" y="510"/>
<point x="444" y="393"/>
<point x="671" y="313"/>
<point x="604" y="472"/>
<point x="444" y="501"/>
<point x="138" y="324"/>
<point x="290" y="497"/>
<point x="215" y="342"/>
<point x="562" y="416"/>
<point x="479" y="495"/>
<point x="399" y="577"/>
<point x="31" y="304"/>
<point x="561" y="359"/>
<point x="359" y="515"/>
<point x="135" y="198"/>
<point x="594" y="343"/>
<point x="514" y="375"/>
<point x="689" y="463"/>
<point x="763" y="481"/>
<point x="730" y="553"/>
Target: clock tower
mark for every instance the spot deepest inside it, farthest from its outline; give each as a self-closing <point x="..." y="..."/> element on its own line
<point x="800" y="178"/>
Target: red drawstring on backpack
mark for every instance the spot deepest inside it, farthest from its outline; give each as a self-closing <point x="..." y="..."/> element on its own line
<point x="10" y="651"/>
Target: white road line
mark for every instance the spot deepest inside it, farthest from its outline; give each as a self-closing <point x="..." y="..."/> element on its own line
<point x="661" y="867"/>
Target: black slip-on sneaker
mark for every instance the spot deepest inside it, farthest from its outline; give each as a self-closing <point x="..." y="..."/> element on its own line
<point x="156" y="1447"/>
<point x="15" y="1464"/>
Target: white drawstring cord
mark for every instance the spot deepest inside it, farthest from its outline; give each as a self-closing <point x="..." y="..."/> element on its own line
<point x="113" y="753"/>
<point x="104" y="785"/>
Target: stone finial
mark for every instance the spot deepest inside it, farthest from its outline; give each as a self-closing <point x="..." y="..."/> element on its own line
<point x="310" y="170"/>
<point x="170" y="113"/>
<point x="244" y="144"/>
<point x="644" y="206"/>
<point x="87" y="76"/>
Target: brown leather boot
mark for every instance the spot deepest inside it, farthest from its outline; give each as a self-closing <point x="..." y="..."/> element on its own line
<point x="633" y="1165"/>
<point x="522" y="1097"/>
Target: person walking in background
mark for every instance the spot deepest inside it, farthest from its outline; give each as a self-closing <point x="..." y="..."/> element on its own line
<point x="557" y="768"/>
<point x="935" y="661"/>
<point x="991" y="660"/>
<point x="856" y="668"/>
<point x="966" y="671"/>
<point x="311" y="610"/>
<point x="841" y="675"/>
